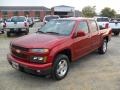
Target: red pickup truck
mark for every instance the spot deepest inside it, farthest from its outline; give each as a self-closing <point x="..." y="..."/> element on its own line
<point x="56" y="45"/>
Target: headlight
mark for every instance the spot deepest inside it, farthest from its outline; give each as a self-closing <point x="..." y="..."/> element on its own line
<point x="40" y="50"/>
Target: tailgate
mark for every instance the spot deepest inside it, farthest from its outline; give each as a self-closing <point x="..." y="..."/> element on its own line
<point x="15" y="25"/>
<point x="115" y="25"/>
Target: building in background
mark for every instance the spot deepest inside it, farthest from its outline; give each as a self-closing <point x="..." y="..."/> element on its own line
<point x="30" y="11"/>
<point x="38" y="11"/>
<point x="78" y="13"/>
<point x="64" y="11"/>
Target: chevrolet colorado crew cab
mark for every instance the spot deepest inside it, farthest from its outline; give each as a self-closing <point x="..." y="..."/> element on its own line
<point x="56" y="45"/>
<point x="17" y="24"/>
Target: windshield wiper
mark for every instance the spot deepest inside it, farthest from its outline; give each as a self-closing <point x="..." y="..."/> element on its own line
<point x="52" y="32"/>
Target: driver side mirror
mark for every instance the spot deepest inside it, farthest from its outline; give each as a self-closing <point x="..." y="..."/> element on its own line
<point x="80" y="34"/>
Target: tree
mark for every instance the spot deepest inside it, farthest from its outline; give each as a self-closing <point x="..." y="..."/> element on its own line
<point x="89" y="11"/>
<point x="108" y="12"/>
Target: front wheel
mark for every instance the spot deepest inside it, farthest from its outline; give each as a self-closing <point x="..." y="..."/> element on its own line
<point x="27" y="31"/>
<point x="103" y="48"/>
<point x="60" y="67"/>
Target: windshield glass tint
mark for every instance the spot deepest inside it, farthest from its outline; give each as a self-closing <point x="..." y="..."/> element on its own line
<point x="61" y="27"/>
<point x="50" y="18"/>
<point x="18" y="19"/>
<point x="102" y="20"/>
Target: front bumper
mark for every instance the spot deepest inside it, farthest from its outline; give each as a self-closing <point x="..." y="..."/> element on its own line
<point x="16" y="29"/>
<point x="30" y="67"/>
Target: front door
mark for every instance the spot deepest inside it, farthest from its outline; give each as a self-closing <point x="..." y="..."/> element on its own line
<point x="82" y="45"/>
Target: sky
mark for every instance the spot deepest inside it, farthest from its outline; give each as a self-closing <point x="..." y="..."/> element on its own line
<point x="78" y="4"/>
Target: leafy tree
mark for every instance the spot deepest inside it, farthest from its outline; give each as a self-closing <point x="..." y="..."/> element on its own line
<point x="108" y="12"/>
<point x="89" y="11"/>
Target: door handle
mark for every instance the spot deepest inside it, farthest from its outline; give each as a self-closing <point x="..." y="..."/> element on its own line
<point x="88" y="37"/>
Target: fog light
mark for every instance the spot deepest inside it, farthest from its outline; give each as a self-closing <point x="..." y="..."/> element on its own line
<point x="35" y="58"/>
<point x="40" y="58"/>
<point x="38" y="71"/>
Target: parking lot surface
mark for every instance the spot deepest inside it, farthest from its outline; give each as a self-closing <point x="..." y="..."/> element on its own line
<point x="92" y="72"/>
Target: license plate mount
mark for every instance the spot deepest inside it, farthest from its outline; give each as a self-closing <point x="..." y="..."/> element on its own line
<point x="15" y="65"/>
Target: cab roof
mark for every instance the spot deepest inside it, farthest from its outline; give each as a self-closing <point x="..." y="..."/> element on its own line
<point x="76" y="18"/>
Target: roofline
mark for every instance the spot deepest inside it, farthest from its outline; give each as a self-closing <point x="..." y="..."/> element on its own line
<point x="27" y="8"/>
<point x="63" y="6"/>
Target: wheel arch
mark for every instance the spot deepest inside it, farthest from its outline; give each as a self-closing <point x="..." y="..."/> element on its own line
<point x="66" y="52"/>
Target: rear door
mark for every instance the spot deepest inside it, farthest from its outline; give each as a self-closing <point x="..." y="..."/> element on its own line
<point x="95" y="34"/>
<point x="82" y="45"/>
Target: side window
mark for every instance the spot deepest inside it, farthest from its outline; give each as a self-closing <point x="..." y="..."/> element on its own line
<point x="93" y="25"/>
<point x="83" y="26"/>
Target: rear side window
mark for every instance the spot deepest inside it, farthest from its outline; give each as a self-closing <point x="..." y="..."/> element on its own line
<point x="102" y="20"/>
<point x="83" y="26"/>
<point x="93" y="25"/>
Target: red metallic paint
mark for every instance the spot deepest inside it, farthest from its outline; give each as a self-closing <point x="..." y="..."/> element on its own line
<point x="79" y="46"/>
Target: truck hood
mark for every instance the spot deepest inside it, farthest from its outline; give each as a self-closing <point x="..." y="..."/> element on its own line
<point x="38" y="40"/>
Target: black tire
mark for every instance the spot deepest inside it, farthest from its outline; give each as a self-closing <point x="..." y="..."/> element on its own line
<point x="60" y="58"/>
<point x="103" y="48"/>
<point x="27" y="31"/>
<point x="31" y="25"/>
<point x="8" y="34"/>
<point x="116" y="33"/>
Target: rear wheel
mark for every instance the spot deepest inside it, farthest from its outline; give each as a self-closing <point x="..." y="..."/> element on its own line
<point x="60" y="67"/>
<point x="103" y="48"/>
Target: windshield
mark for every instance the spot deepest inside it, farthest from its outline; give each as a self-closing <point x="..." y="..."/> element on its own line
<point x="61" y="27"/>
<point x="51" y="17"/>
<point x="102" y="20"/>
<point x="18" y="19"/>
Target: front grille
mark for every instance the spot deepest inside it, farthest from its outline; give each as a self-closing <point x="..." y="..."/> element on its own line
<point x="19" y="55"/>
<point x="20" y="48"/>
